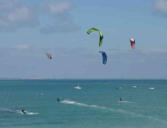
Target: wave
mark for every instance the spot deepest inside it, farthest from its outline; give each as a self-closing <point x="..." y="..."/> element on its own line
<point x="112" y="110"/>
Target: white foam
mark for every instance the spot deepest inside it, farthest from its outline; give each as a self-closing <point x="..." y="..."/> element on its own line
<point x="18" y="111"/>
<point x="151" y="88"/>
<point x="78" y="87"/>
<point x="26" y="112"/>
<point x="124" y="101"/>
<point x="32" y="113"/>
<point x="6" y="110"/>
<point x="134" y="86"/>
<point x="112" y="110"/>
<point x="82" y="104"/>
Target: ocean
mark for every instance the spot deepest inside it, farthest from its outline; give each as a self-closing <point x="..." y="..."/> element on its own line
<point x="96" y="104"/>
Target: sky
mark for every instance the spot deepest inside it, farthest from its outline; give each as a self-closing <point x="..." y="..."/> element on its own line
<point x="30" y="28"/>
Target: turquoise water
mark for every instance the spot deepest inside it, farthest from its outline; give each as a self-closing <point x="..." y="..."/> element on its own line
<point x="96" y="105"/>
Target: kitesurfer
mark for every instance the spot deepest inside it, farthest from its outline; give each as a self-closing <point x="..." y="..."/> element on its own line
<point x="23" y="111"/>
<point x="58" y="99"/>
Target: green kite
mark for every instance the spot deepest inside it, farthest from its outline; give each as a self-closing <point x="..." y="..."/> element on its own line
<point x="100" y="34"/>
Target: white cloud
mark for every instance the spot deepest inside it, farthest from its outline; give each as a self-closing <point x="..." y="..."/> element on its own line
<point x="16" y="14"/>
<point x="61" y="19"/>
<point x="22" y="47"/>
<point x="59" y="26"/>
<point x="161" y="5"/>
<point x="55" y="8"/>
<point x="154" y="51"/>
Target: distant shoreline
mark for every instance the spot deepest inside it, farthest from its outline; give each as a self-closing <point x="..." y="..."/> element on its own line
<point x="80" y="79"/>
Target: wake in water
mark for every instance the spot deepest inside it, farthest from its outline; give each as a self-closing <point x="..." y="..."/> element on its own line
<point x="17" y="111"/>
<point x="124" y="101"/>
<point x="26" y="112"/>
<point x="112" y="110"/>
<point x="7" y="110"/>
<point x="82" y="104"/>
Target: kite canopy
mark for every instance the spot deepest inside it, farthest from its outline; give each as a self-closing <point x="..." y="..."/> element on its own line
<point x="104" y="57"/>
<point x="100" y="34"/>
<point x="49" y="56"/>
<point x="132" y="42"/>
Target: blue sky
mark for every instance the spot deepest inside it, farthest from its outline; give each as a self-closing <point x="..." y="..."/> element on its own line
<point x="30" y="28"/>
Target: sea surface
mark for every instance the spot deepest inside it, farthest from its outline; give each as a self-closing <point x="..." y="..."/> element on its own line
<point x="96" y="105"/>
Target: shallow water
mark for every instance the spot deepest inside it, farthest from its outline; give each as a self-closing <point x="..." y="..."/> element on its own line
<point x="96" y="105"/>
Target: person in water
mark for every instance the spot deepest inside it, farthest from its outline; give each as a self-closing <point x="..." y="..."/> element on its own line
<point x="58" y="99"/>
<point x="23" y="111"/>
<point x="120" y="99"/>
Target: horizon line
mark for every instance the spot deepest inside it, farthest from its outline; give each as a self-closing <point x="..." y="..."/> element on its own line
<point x="1" y="79"/>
